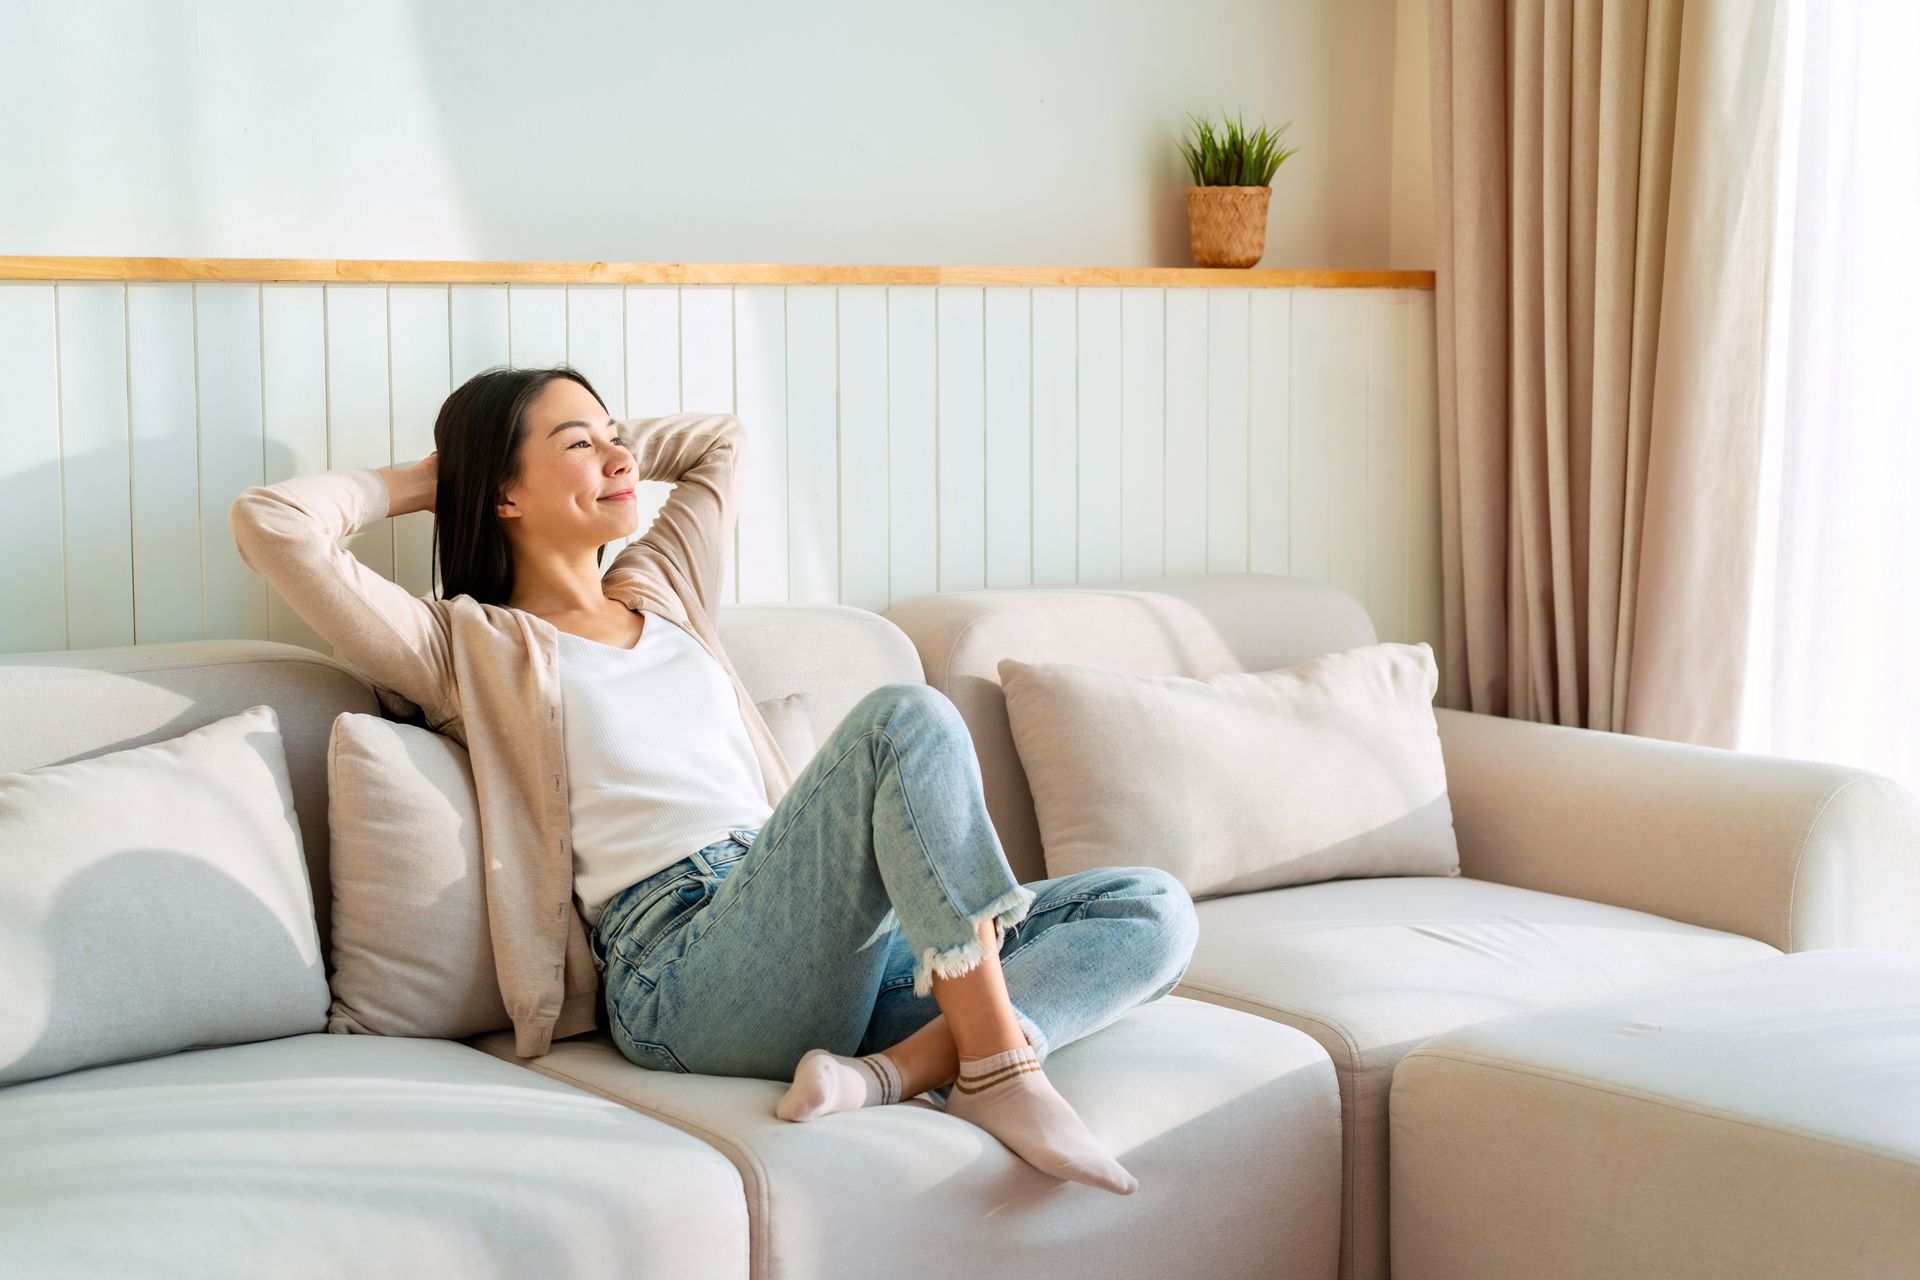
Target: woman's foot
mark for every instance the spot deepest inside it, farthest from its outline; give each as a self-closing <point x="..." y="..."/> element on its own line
<point x="824" y="1083"/>
<point x="1010" y="1097"/>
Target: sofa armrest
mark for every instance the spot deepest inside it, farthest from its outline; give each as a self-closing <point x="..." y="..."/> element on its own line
<point x="1798" y="854"/>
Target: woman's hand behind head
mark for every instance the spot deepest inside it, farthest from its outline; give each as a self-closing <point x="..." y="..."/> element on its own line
<point x="411" y="489"/>
<point x="429" y="469"/>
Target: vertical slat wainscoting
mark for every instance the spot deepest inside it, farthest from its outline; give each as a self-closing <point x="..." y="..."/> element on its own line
<point x="1097" y="373"/>
<point x="903" y="438"/>
<point x="232" y="446"/>
<point x="813" y="469"/>
<point x="294" y="413"/>
<point x="1185" y="446"/>
<point x="1270" y="470"/>
<point x="760" y="540"/>
<point x="420" y="329"/>
<point x="862" y="477"/>
<point x="1054" y="508"/>
<point x="1009" y="440"/>
<point x="706" y="382"/>
<point x="96" y="486"/>
<point x="1143" y="431"/>
<point x="652" y="374"/>
<point x="960" y="434"/>
<point x="33" y="542"/>
<point x="912" y="420"/>
<point x="163" y="421"/>
<point x="1228" y="364"/>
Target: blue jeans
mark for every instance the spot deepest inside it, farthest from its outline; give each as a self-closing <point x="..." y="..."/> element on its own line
<point x="824" y="926"/>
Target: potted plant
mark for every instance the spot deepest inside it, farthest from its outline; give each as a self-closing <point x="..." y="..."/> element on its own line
<point x="1227" y="203"/>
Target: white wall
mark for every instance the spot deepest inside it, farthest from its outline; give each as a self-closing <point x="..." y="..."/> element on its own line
<point x="1410" y="186"/>
<point x="911" y="438"/>
<point x="1002" y="132"/>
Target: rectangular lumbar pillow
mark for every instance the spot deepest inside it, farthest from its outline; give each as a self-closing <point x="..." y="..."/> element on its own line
<point x="412" y="954"/>
<point x="155" y="899"/>
<point x="1326" y="770"/>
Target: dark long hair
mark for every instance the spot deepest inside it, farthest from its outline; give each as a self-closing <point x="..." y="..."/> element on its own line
<point x="479" y="433"/>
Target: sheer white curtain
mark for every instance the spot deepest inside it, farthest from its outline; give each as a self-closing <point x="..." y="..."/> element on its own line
<point x="1833" y="661"/>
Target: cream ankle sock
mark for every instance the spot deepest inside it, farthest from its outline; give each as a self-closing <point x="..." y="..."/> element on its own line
<point x="1010" y="1097"/>
<point x="824" y="1083"/>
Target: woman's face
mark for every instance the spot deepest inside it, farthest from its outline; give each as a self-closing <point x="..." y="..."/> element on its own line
<point x="571" y="460"/>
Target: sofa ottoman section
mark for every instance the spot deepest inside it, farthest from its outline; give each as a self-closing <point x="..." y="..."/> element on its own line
<point x="1761" y="1121"/>
<point x="1372" y="967"/>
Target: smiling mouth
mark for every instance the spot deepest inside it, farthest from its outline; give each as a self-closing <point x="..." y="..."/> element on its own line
<point x="626" y="496"/>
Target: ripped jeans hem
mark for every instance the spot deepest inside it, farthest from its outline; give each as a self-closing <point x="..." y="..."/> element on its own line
<point x="1009" y="909"/>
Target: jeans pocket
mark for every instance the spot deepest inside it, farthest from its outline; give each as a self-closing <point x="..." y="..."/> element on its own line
<point x="632" y="1005"/>
<point x="660" y="917"/>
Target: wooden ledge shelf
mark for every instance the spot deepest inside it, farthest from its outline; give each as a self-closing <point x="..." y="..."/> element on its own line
<point x="408" y="271"/>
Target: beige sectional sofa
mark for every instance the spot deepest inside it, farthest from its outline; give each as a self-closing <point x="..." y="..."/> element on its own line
<point x="1590" y="862"/>
<point x="1251" y="1103"/>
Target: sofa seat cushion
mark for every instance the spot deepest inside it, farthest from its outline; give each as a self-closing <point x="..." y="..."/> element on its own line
<point x="1230" y="1123"/>
<point x="1761" y="1121"/>
<point x="328" y="1155"/>
<point x="1371" y="967"/>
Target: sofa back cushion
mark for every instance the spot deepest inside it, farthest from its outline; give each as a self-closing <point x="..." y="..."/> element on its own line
<point x="65" y="706"/>
<point x="834" y="653"/>
<point x="412" y="952"/>
<point x="155" y="899"/>
<point x="1326" y="770"/>
<point x="1197" y="625"/>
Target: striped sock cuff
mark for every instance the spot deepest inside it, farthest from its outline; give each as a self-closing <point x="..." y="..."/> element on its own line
<point x="977" y="1074"/>
<point x="886" y="1073"/>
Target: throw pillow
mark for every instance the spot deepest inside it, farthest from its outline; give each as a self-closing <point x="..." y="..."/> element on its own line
<point x="155" y="899"/>
<point x="412" y="954"/>
<point x="1326" y="770"/>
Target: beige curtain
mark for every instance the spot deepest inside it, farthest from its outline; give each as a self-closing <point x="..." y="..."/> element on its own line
<point x="1553" y="124"/>
<point x="1692" y="635"/>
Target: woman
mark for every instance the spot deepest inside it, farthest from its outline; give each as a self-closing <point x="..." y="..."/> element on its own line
<point x="856" y="928"/>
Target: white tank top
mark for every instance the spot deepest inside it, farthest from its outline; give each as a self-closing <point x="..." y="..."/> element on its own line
<point x="658" y="760"/>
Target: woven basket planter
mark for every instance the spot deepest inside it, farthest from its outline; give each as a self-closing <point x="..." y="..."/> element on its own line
<point x="1228" y="225"/>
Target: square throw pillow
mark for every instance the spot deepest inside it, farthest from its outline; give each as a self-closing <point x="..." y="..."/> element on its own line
<point x="1326" y="770"/>
<point x="412" y="954"/>
<point x="155" y="899"/>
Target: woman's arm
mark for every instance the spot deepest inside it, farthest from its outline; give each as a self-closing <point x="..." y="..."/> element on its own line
<point x="685" y="549"/>
<point x="288" y="533"/>
<point x="411" y="489"/>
